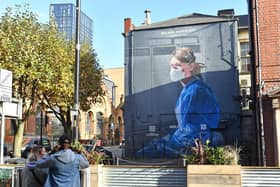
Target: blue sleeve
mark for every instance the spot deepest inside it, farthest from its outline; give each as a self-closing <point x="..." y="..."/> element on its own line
<point x="83" y="161"/>
<point x="45" y="162"/>
<point x="199" y="106"/>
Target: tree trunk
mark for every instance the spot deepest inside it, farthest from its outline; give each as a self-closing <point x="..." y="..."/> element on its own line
<point x="18" y="139"/>
<point x="68" y="130"/>
<point x="68" y="124"/>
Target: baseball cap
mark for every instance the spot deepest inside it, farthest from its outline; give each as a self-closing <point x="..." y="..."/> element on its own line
<point x="64" y="139"/>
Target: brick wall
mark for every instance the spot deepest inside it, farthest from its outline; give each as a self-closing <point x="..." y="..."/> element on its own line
<point x="269" y="42"/>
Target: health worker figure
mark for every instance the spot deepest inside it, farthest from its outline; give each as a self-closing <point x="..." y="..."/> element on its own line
<point x="196" y="110"/>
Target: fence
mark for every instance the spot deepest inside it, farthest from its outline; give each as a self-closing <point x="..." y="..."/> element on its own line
<point x="94" y="176"/>
<point x="10" y="176"/>
<point x="260" y="177"/>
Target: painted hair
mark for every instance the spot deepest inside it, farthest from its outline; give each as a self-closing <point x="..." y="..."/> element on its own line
<point x="186" y="55"/>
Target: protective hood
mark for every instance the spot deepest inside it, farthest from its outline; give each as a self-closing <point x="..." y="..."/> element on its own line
<point x="65" y="156"/>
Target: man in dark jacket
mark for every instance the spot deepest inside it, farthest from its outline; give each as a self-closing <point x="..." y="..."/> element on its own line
<point x="63" y="166"/>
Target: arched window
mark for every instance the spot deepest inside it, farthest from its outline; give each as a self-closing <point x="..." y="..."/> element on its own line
<point x="99" y="124"/>
<point x="89" y="121"/>
<point x="38" y="120"/>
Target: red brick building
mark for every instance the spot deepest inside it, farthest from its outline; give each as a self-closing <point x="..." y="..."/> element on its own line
<point x="265" y="38"/>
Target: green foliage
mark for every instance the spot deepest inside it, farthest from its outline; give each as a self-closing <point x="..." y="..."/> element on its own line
<point x="42" y="63"/>
<point x="20" y="44"/>
<point x="206" y="154"/>
<point x="219" y="155"/>
<point x="20" y="48"/>
<point x="90" y="78"/>
<point x="96" y="158"/>
<point x="191" y="158"/>
<point x="93" y="157"/>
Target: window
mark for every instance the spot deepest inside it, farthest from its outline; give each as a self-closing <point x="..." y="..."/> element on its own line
<point x="99" y="123"/>
<point x="89" y="121"/>
<point x="245" y="58"/>
<point x="39" y="120"/>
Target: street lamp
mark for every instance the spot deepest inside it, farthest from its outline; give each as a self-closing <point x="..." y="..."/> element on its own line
<point x="41" y="128"/>
<point x="75" y="129"/>
<point x="40" y="115"/>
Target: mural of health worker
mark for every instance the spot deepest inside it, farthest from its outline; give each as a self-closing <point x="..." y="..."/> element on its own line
<point x="196" y="109"/>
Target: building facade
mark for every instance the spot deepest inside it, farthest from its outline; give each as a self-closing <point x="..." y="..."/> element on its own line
<point x="104" y="121"/>
<point x="244" y="64"/>
<point x="114" y="131"/>
<point x="249" y="140"/>
<point x="265" y="42"/>
<point x="151" y="95"/>
<point x="64" y="15"/>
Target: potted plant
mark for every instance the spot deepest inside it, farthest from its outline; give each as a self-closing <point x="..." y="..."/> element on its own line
<point x="213" y="166"/>
<point x="94" y="157"/>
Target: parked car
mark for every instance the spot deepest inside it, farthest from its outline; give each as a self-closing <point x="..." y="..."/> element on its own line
<point x="26" y="148"/>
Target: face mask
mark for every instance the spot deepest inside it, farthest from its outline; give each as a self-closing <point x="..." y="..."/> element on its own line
<point x="176" y="74"/>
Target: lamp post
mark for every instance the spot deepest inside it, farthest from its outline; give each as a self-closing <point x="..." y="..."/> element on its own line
<point x="41" y="118"/>
<point x="75" y="129"/>
<point x="41" y="129"/>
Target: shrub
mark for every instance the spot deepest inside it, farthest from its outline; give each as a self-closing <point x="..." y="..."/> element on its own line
<point x="93" y="157"/>
<point x="206" y="154"/>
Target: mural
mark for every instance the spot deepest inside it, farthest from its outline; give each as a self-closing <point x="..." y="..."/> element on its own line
<point x="181" y="83"/>
<point x="196" y="110"/>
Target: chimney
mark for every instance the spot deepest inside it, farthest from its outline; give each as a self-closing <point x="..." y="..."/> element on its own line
<point x="127" y="25"/>
<point x="148" y="20"/>
<point x="226" y="13"/>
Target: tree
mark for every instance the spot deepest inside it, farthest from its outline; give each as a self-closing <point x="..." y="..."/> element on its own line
<point x="58" y="85"/>
<point x="19" y="53"/>
<point x="90" y="89"/>
<point x="90" y="78"/>
<point x="42" y="62"/>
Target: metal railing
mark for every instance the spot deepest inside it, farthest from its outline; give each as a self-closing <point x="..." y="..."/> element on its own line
<point x="260" y="177"/>
<point x="10" y="175"/>
<point x="7" y="176"/>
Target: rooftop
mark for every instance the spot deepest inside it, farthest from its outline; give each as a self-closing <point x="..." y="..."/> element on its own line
<point x="190" y="19"/>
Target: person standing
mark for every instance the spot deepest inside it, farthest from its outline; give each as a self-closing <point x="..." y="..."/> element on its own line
<point x="37" y="176"/>
<point x="63" y="165"/>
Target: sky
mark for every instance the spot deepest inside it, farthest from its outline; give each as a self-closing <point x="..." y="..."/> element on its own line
<point x="108" y="18"/>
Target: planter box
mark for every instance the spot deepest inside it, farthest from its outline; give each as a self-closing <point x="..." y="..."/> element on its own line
<point x="213" y="176"/>
<point x="89" y="176"/>
<point x="94" y="175"/>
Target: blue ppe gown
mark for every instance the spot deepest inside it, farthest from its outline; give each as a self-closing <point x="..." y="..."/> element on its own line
<point x="197" y="111"/>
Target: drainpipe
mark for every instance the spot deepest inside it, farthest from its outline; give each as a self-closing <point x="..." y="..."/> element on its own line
<point x="261" y="85"/>
<point x="253" y="74"/>
<point x="258" y="111"/>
